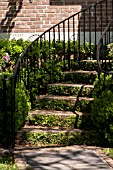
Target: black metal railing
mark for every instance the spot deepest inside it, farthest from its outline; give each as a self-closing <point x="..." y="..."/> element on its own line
<point x="65" y="42"/>
<point x="105" y="50"/>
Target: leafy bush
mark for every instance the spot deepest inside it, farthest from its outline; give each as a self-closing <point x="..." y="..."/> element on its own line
<point x="12" y="47"/>
<point x="50" y="72"/>
<point x="22" y="104"/>
<point x="102" y="108"/>
<point x="15" y="111"/>
<point x="110" y="49"/>
<point x="9" y="53"/>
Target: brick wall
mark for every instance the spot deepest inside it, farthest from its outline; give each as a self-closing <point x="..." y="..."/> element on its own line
<point x="21" y="16"/>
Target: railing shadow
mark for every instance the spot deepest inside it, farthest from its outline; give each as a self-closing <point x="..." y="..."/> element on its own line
<point x="8" y="23"/>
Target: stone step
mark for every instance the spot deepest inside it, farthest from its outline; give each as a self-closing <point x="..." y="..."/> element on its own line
<point x="51" y="112"/>
<point x="56" y="118"/>
<point x="64" y="103"/>
<point x="92" y="61"/>
<point x="80" y="71"/>
<point x="72" y="85"/>
<point x="71" y="98"/>
<point x="52" y="118"/>
<point x="55" y="112"/>
<point x="79" y="76"/>
<point x="95" y="61"/>
<point x="34" y="135"/>
<point x="67" y="89"/>
<point x="44" y="136"/>
<point x="36" y="129"/>
<point x="83" y="64"/>
<point x="92" y="64"/>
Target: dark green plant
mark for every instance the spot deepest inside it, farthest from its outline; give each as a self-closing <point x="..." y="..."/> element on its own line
<point x="16" y="108"/>
<point x="79" y="77"/>
<point x="88" y="65"/>
<point x="49" y="72"/>
<point x="89" y="50"/>
<point x="22" y="104"/>
<point x="102" y="108"/>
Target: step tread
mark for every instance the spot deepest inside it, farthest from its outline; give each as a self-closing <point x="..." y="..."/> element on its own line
<point x="80" y="71"/>
<point x="93" y="61"/>
<point x="72" y="85"/>
<point x="96" y="60"/>
<point x="64" y="98"/>
<point x="37" y="129"/>
<point x="55" y="112"/>
<point x="50" y="112"/>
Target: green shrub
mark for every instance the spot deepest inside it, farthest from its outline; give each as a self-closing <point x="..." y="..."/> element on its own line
<point x="13" y="47"/>
<point x="22" y="104"/>
<point x="50" y="72"/>
<point x="14" y="110"/>
<point x="102" y="108"/>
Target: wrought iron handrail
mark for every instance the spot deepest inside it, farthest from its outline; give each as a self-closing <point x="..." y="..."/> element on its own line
<point x="99" y="47"/>
<point x="48" y="30"/>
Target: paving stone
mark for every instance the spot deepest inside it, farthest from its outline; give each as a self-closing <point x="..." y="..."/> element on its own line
<point x="64" y="159"/>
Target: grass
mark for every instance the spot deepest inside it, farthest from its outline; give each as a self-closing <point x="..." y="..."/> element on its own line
<point x="6" y="163"/>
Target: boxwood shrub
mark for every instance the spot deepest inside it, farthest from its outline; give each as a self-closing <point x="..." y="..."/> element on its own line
<point x="102" y="107"/>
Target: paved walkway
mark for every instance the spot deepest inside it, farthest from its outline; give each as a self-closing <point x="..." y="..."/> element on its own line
<point x="63" y="158"/>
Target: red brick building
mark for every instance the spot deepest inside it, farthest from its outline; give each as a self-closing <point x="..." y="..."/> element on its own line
<point x="23" y="18"/>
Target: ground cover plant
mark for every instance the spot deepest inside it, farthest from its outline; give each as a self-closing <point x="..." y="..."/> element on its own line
<point x="61" y="138"/>
<point x="53" y="120"/>
<point x="109" y="152"/>
<point x="6" y="162"/>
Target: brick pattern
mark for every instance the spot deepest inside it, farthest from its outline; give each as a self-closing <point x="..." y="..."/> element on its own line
<point x="21" y="16"/>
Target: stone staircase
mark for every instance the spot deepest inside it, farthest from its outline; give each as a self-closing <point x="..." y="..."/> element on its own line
<point x="62" y="115"/>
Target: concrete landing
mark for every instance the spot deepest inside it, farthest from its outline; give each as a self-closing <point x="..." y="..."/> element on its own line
<point x="63" y="158"/>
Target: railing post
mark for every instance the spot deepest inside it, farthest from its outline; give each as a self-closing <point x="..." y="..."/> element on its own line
<point x="112" y="8"/>
<point x="13" y="86"/>
<point x="4" y="114"/>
